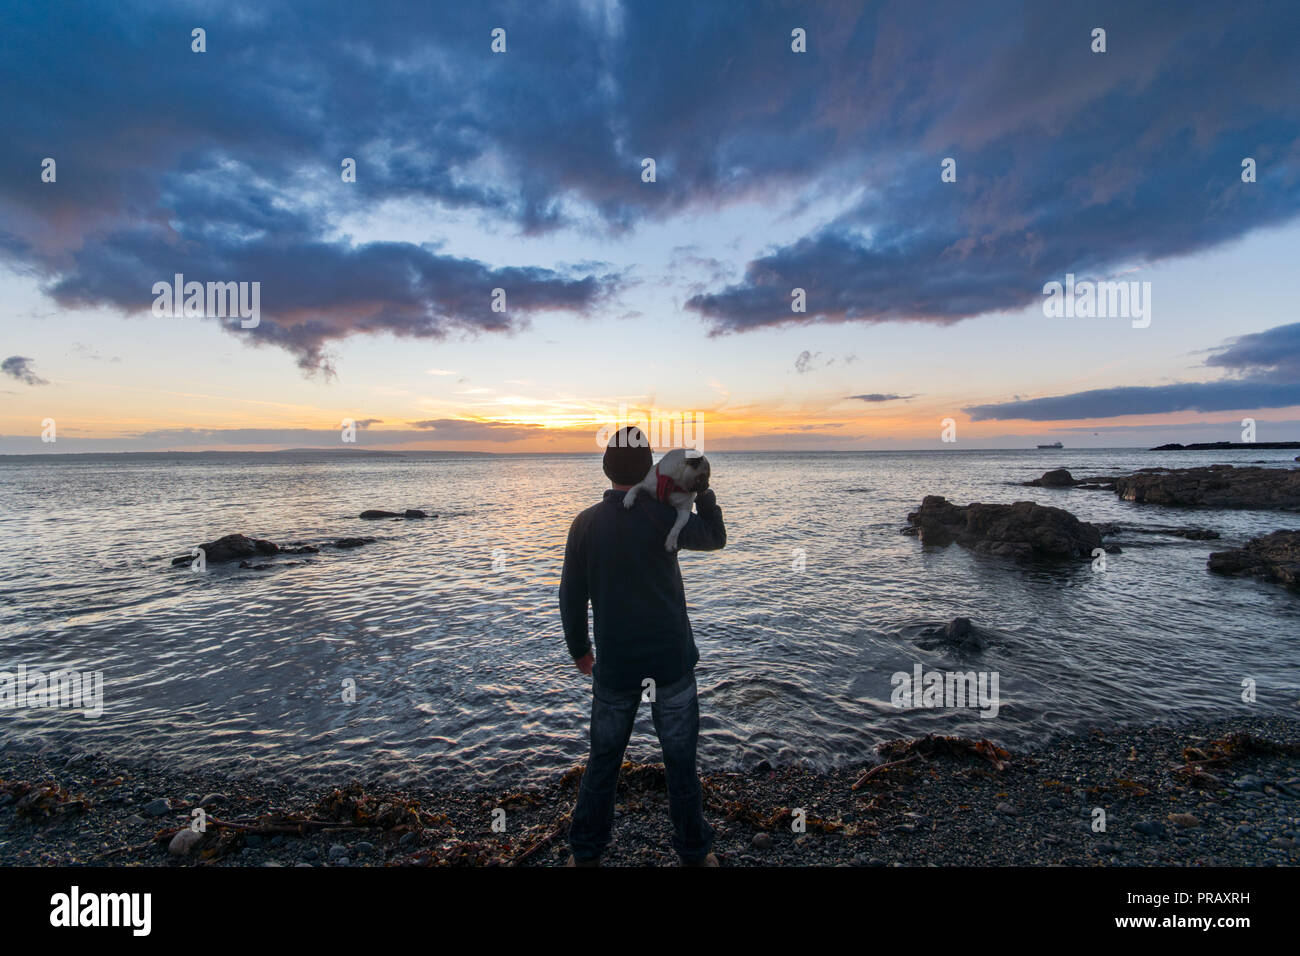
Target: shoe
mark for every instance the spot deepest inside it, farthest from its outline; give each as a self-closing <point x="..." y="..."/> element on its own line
<point x="709" y="860"/>
<point x="595" y="862"/>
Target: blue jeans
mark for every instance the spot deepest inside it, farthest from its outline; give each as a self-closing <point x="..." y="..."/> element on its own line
<point x="676" y="713"/>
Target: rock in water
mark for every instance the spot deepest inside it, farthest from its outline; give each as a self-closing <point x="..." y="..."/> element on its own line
<point x="415" y="513"/>
<point x="1218" y="486"/>
<point x="375" y="514"/>
<point x="1274" y="557"/>
<point x="233" y="547"/>
<point x="238" y="547"/>
<point x="960" y="632"/>
<point x="352" y="542"/>
<point x="1057" y="478"/>
<point x="1023" y="531"/>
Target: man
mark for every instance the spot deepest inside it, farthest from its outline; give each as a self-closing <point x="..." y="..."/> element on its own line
<point x="615" y="557"/>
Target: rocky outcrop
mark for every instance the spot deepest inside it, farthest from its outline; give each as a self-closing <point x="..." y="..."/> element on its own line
<point x="238" y="547"/>
<point x="1023" y="531"/>
<point x="1061" y="478"/>
<point x="1274" y="557"/>
<point x="959" y="633"/>
<point x="375" y="514"/>
<point x="1057" y="478"/>
<point x="1191" y="534"/>
<point x="1217" y="486"/>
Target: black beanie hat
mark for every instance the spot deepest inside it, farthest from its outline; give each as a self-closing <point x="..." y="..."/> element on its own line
<point x="627" y="456"/>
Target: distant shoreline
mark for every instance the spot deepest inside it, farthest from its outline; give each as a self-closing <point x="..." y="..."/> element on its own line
<point x="1228" y="446"/>
<point x="440" y="453"/>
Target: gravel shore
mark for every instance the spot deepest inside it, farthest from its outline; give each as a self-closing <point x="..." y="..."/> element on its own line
<point x="1223" y="793"/>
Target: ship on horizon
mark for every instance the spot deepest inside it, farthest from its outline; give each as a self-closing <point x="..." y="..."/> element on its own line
<point x="1055" y="444"/>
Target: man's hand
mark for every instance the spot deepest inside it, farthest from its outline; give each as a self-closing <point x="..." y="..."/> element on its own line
<point x="586" y="662"/>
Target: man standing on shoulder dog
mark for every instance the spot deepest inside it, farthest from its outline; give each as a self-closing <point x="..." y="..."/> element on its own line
<point x="615" y="558"/>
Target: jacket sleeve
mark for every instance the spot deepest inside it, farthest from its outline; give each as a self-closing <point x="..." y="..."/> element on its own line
<point x="573" y="592"/>
<point x="704" y="530"/>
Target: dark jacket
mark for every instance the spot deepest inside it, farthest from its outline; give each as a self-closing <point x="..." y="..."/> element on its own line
<point x="616" y="558"/>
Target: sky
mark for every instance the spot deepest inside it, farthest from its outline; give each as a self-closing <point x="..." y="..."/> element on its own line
<point x="922" y="172"/>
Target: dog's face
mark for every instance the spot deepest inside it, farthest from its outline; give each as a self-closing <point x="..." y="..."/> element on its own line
<point x="695" y="474"/>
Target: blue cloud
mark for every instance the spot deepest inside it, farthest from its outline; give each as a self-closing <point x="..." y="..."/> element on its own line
<point x="20" y="367"/>
<point x="1267" y="367"/>
<point x="226" y="164"/>
<point x="1143" y="400"/>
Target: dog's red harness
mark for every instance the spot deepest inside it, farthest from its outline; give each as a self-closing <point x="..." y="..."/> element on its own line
<point x="665" y="486"/>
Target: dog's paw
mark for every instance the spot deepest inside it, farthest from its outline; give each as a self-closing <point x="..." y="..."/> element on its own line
<point x="629" y="499"/>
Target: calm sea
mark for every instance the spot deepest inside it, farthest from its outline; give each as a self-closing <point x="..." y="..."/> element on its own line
<point x="449" y="627"/>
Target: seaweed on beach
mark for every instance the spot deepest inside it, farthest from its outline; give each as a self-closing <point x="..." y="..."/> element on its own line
<point x="343" y="809"/>
<point x="352" y="804"/>
<point x="899" y="753"/>
<point x="42" y="802"/>
<point x="1226" y="750"/>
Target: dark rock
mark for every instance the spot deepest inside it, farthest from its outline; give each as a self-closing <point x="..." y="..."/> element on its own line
<point x="374" y="515"/>
<point x="254" y="567"/>
<point x="1218" y="486"/>
<point x="1057" y="478"/>
<point x="183" y="842"/>
<point x="352" y="542"/>
<point x="233" y="547"/>
<point x="1191" y="534"/>
<point x="1274" y="557"/>
<point x="156" y="808"/>
<point x="1152" y="828"/>
<point x="959" y="633"/>
<point x="762" y="841"/>
<point x="1023" y="531"/>
<point x="415" y="513"/>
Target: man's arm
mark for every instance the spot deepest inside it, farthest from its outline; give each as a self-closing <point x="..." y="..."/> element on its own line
<point x="573" y="593"/>
<point x="704" y="530"/>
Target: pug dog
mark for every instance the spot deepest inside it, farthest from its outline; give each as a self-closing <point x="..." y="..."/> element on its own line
<point x="680" y="475"/>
